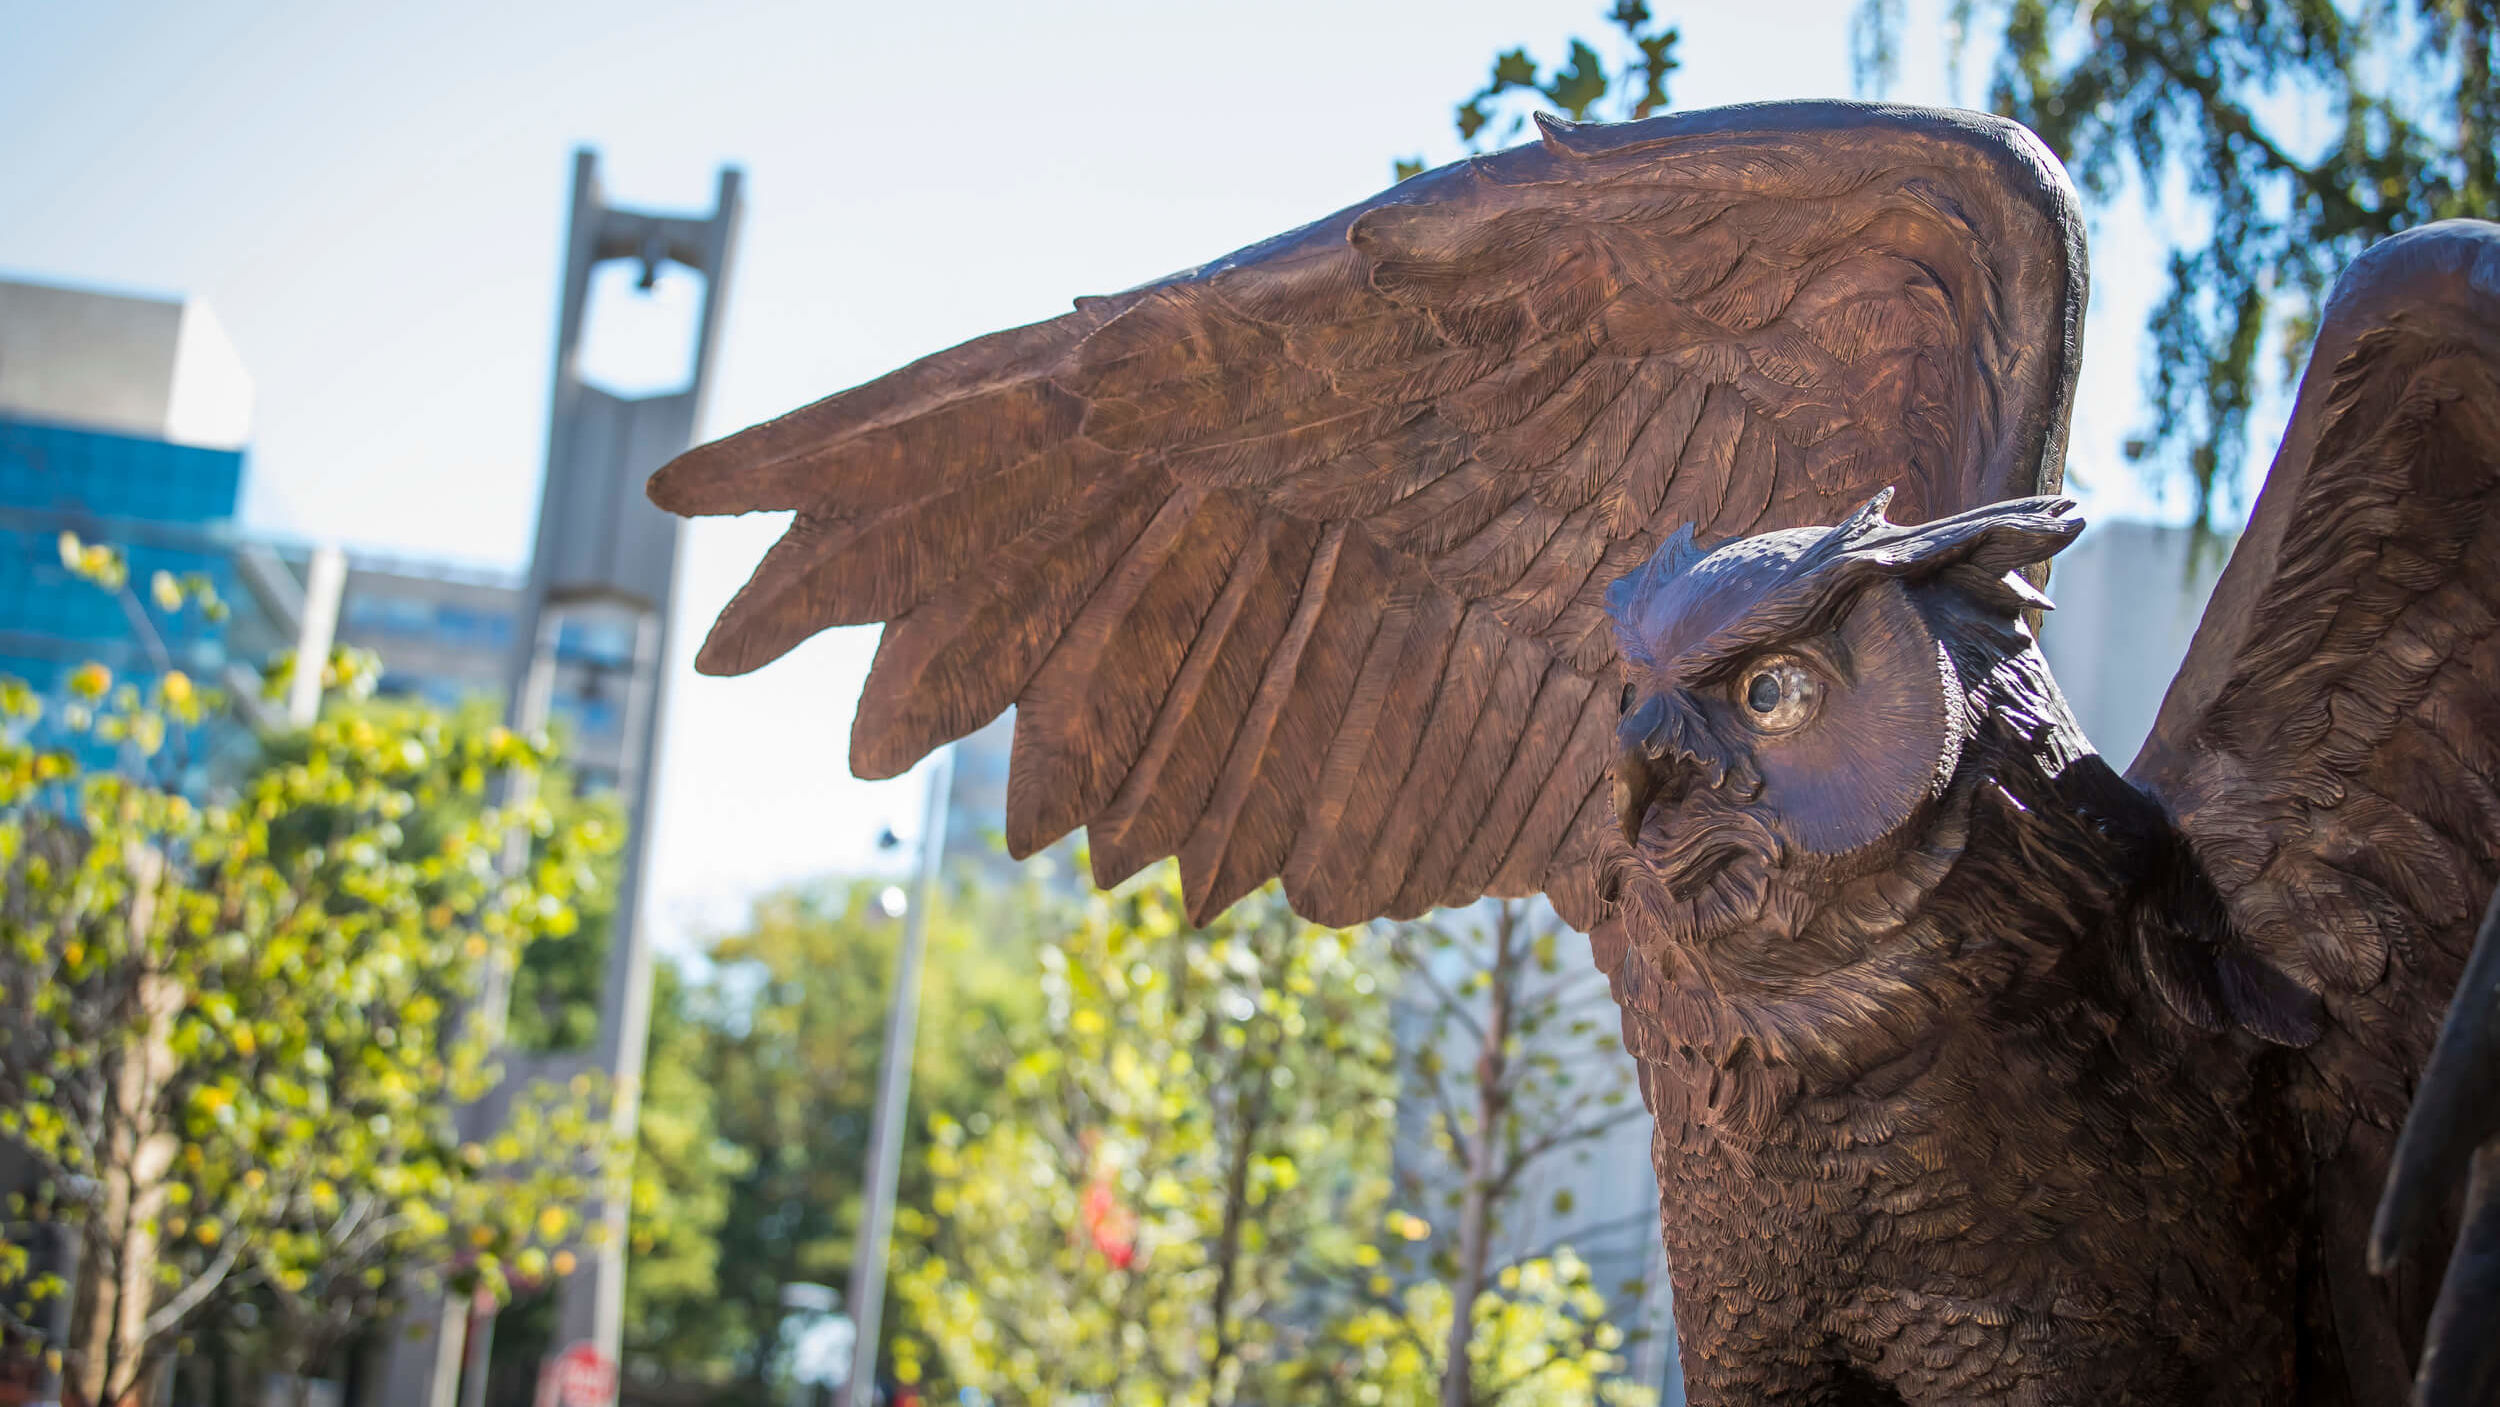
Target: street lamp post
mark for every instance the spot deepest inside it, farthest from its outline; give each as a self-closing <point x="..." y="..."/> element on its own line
<point x="885" y="1132"/>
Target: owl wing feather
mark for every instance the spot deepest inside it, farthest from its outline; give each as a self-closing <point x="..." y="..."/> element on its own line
<point x="2331" y="747"/>
<point x="1293" y="563"/>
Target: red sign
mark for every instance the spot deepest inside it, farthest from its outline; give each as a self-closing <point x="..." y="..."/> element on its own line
<point x="581" y="1376"/>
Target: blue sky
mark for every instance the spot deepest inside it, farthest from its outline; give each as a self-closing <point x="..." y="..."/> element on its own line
<point x="371" y="197"/>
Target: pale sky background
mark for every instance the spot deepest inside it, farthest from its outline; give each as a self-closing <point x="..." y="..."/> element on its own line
<point x="371" y="197"/>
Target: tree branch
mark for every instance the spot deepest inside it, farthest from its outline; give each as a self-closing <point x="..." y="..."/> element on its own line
<point x="1448" y="1001"/>
<point x="201" y="1287"/>
<point x="1559" y="1138"/>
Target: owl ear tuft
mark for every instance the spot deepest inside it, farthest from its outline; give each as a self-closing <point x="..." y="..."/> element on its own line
<point x="1992" y="540"/>
<point x="1673" y="558"/>
<point x="1868" y="517"/>
<point x="1685" y="609"/>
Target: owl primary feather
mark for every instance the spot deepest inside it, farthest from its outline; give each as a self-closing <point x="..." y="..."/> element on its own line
<point x="1653" y="517"/>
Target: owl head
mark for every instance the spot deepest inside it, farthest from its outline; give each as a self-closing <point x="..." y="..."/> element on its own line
<point x="1799" y="707"/>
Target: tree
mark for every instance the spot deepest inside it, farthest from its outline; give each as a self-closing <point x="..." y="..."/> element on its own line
<point x="556" y="984"/>
<point x="2277" y="140"/>
<point x="1540" y="1338"/>
<point x="1583" y="87"/>
<point x="684" y="1170"/>
<point x="772" y="1057"/>
<point x="233" y="1046"/>
<point x="1181" y="1177"/>
<point x="1515" y="1062"/>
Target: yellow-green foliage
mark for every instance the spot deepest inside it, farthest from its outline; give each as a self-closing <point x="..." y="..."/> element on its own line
<point x="756" y="1106"/>
<point x="1541" y="1340"/>
<point x="682" y="1165"/>
<point x="234" y="1020"/>
<point x="1178" y="1181"/>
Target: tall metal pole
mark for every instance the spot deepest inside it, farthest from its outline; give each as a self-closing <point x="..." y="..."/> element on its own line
<point x="885" y="1132"/>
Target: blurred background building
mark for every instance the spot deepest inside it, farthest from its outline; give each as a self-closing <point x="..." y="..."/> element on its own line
<point x="2129" y="595"/>
<point x="121" y="418"/>
<point x="126" y="420"/>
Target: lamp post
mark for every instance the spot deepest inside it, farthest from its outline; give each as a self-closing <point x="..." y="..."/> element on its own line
<point x="885" y="1130"/>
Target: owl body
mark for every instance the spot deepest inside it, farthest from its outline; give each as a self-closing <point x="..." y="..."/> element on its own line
<point x="1926" y="1132"/>
<point x="1999" y="1187"/>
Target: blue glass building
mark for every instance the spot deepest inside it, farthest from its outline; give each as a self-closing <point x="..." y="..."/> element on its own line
<point x="169" y="506"/>
<point x="122" y="420"/>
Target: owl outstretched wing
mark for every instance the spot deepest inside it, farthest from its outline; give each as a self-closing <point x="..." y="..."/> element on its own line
<point x="2332" y="745"/>
<point x="1293" y="563"/>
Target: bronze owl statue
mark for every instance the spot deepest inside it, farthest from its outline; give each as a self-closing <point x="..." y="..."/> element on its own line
<point x="1465" y="543"/>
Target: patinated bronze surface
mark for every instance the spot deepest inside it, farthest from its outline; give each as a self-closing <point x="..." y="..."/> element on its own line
<point x="1458" y="544"/>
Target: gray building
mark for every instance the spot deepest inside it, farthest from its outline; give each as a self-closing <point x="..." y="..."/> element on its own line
<point x="445" y="634"/>
<point x="151" y="368"/>
<point x="2128" y="598"/>
<point x="125" y="419"/>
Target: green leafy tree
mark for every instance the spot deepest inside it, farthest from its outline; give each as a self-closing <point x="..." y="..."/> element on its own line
<point x="556" y="985"/>
<point x="1620" y="77"/>
<point x="2272" y="142"/>
<point x="231" y="1021"/>
<point x="684" y="1171"/>
<point x="772" y="1055"/>
<point x="1540" y="1337"/>
<point x="1171" y="1195"/>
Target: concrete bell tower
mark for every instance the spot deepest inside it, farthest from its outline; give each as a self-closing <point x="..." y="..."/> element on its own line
<point x="604" y="570"/>
<point x="602" y="548"/>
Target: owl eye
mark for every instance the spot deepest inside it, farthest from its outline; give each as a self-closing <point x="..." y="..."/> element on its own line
<point x="1779" y="694"/>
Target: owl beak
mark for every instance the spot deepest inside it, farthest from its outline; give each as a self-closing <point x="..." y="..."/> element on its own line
<point x="1636" y="782"/>
<point x="1651" y="767"/>
<point x="1641" y="782"/>
<point x="1663" y="749"/>
<point x="1635" y="787"/>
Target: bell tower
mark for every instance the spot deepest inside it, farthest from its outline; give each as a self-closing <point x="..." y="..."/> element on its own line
<point x="605" y="553"/>
<point x="593" y="627"/>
